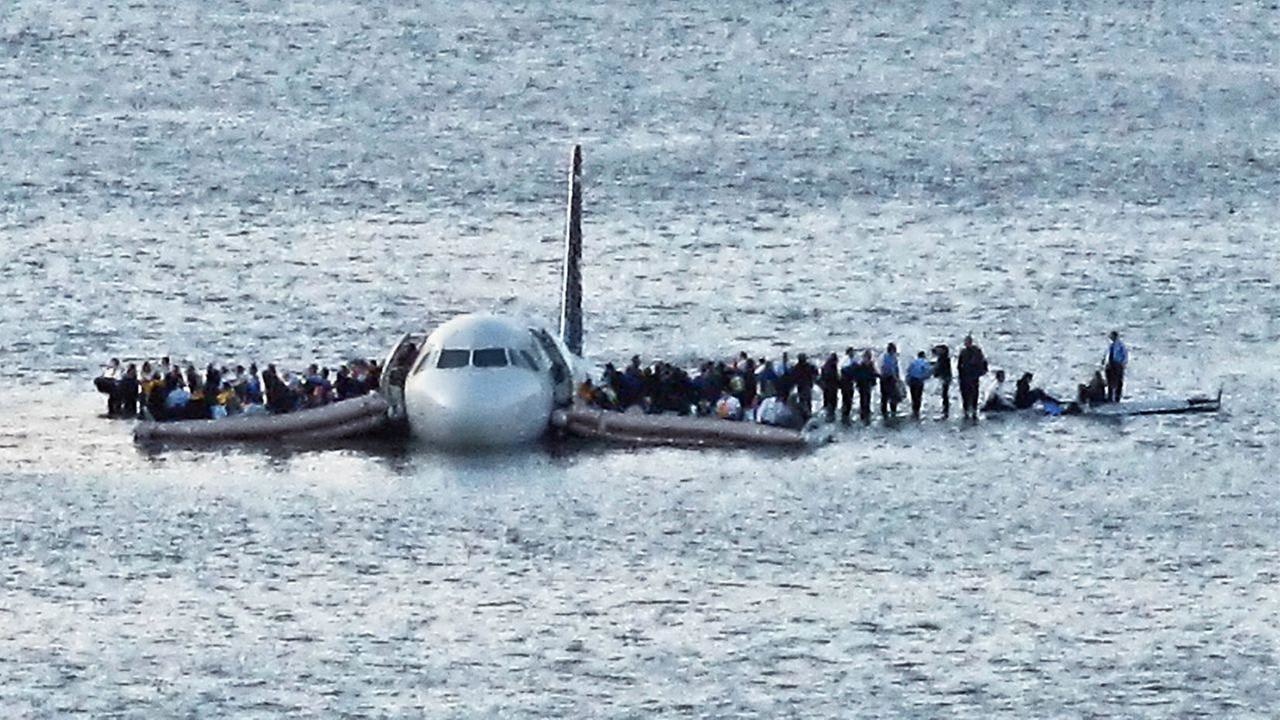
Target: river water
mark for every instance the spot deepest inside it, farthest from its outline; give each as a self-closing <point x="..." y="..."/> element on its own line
<point x="286" y="181"/>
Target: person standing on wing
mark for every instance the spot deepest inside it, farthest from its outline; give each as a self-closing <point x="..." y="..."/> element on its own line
<point x="890" y="377"/>
<point x="864" y="378"/>
<point x="918" y="372"/>
<point x="847" y="373"/>
<point x="1114" y="364"/>
<point x="829" y="380"/>
<point x="942" y="371"/>
<point x="971" y="366"/>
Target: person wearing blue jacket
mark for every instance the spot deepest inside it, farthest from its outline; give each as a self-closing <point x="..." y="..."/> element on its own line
<point x="1114" y="365"/>
<point x="918" y="372"/>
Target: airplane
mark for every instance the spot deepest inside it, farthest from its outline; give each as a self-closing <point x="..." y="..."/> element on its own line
<point x="482" y="381"/>
<point x="489" y="380"/>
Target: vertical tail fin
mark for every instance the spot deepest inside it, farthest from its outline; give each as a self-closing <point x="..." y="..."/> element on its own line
<point x="571" y="287"/>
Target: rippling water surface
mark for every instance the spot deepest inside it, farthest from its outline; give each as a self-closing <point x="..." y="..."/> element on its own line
<point x="288" y="181"/>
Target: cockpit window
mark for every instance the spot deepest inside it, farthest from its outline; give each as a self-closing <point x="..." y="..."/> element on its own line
<point x="453" y="359"/>
<point x="530" y="362"/>
<point x="426" y="359"/>
<point x="489" y="357"/>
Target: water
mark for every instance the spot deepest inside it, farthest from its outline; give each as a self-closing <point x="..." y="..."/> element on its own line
<point x="279" y="181"/>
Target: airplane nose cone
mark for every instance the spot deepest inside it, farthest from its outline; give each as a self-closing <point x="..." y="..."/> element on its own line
<point x="480" y="409"/>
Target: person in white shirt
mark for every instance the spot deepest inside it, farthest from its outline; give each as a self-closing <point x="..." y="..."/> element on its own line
<point x="107" y="384"/>
<point x="775" y="411"/>
<point x="996" y="401"/>
<point x="767" y="411"/>
<point x="728" y="407"/>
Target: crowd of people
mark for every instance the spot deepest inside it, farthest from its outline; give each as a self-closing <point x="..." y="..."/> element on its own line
<point x="782" y="392"/>
<point x="779" y="392"/>
<point x="171" y="391"/>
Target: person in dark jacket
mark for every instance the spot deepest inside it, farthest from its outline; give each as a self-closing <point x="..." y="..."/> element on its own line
<point x="157" y="404"/>
<point x="804" y="375"/>
<point x="942" y="372"/>
<point x="971" y="366"/>
<point x="829" y="379"/>
<point x="127" y="391"/>
<point x="1024" y="396"/>
<point x="750" y="388"/>
<point x="107" y="383"/>
<point x="195" y="383"/>
<point x="890" y="381"/>
<point x="846" y="384"/>
<point x="865" y="378"/>
<point x="212" y="384"/>
<point x="280" y="399"/>
<point x="1114" y="363"/>
<point x="344" y="385"/>
<point x="1094" y="392"/>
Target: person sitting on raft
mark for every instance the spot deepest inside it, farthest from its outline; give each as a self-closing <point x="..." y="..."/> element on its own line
<point x="728" y="407"/>
<point x="996" y="400"/>
<point x="316" y="386"/>
<point x="776" y="411"/>
<point x="178" y="400"/>
<point x="593" y="395"/>
<point x="345" y="386"/>
<point x="1024" y="396"/>
<point x="281" y="398"/>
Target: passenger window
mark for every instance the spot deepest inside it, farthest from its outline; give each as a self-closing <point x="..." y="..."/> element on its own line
<point x="489" y="357"/>
<point x="453" y="359"/>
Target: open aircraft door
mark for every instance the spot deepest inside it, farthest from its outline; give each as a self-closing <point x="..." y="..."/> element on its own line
<point x="395" y="369"/>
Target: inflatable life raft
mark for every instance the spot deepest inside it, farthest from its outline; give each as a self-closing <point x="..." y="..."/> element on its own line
<point x="672" y="430"/>
<point x="347" y="418"/>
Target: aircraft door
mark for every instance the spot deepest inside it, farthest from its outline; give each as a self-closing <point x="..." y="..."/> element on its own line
<point x="396" y="369"/>
<point x="561" y="372"/>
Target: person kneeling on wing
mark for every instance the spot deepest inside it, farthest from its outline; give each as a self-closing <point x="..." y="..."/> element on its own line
<point x="1094" y="392"/>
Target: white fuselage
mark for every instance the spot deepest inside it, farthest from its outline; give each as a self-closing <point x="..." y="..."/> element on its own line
<point x="481" y="380"/>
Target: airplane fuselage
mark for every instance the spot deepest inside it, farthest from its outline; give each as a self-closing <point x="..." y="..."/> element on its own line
<point x="485" y="380"/>
<point x="490" y="380"/>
